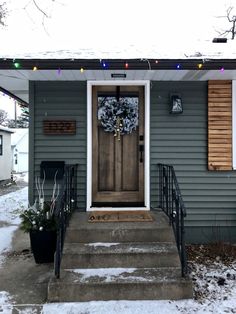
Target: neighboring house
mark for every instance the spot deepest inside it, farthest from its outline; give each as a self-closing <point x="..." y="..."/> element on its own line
<point x="5" y="153"/>
<point x="20" y="150"/>
<point x="72" y="102"/>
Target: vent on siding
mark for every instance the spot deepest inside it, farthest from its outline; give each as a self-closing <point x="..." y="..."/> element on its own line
<point x="220" y="125"/>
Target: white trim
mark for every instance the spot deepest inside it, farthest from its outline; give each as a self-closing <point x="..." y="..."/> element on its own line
<point x="234" y="124"/>
<point x="89" y="145"/>
<point x="146" y="85"/>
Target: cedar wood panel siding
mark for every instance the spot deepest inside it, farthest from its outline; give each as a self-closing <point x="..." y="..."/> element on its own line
<point x="181" y="140"/>
<point x="220" y="125"/>
<point x="59" y="101"/>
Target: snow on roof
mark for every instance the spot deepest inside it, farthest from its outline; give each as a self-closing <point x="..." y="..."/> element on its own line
<point x="169" y="50"/>
<point x="3" y="128"/>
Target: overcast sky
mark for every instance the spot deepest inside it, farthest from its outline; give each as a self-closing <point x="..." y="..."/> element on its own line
<point x="95" y="23"/>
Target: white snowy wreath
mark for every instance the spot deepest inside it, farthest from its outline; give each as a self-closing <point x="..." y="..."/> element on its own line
<point x="109" y="110"/>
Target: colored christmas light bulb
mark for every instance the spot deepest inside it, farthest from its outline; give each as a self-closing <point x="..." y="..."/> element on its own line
<point x="222" y="70"/>
<point x="82" y="70"/>
<point x="178" y="66"/>
<point x="17" y="65"/>
<point x="199" y="65"/>
<point x="35" y="68"/>
<point x="126" y="65"/>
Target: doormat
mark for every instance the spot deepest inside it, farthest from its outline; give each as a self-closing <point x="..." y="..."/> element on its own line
<point x="120" y="216"/>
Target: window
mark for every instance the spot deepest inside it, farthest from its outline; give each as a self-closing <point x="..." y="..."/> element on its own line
<point x="1" y="143"/>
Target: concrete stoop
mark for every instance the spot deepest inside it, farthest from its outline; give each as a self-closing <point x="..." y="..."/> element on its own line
<point x="119" y="261"/>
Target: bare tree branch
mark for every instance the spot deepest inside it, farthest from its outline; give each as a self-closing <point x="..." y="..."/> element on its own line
<point x="231" y="19"/>
<point x="37" y="6"/>
<point x="3" y="13"/>
<point x="45" y="13"/>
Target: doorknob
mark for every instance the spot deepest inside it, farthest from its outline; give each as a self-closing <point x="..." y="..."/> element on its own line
<point x="141" y="149"/>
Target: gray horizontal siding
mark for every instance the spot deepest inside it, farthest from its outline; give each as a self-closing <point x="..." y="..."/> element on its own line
<point x="181" y="140"/>
<point x="61" y="100"/>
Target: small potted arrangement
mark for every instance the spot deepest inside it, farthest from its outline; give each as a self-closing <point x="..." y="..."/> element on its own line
<point x="40" y="222"/>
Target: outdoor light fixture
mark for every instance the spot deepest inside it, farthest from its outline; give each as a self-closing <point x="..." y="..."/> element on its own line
<point x="176" y="106"/>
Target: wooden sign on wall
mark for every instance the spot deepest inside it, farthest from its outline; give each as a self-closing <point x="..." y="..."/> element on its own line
<point x="59" y="127"/>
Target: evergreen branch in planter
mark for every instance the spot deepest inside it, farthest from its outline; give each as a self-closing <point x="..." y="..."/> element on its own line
<point x="40" y="216"/>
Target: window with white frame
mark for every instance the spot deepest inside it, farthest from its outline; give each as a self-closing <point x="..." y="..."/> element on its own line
<point x="1" y="145"/>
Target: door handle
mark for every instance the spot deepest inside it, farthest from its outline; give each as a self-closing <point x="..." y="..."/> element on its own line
<point x="141" y="150"/>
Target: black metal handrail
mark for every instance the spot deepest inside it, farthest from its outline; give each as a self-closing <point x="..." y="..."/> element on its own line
<point x="67" y="202"/>
<point x="171" y="202"/>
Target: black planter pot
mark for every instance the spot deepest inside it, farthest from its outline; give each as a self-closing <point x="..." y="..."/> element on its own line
<point x="43" y="245"/>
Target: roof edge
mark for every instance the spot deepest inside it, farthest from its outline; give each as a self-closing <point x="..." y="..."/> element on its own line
<point x="22" y="102"/>
<point x="116" y="64"/>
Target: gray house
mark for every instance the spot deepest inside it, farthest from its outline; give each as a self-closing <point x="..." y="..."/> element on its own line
<point x="183" y="114"/>
<point x="138" y="136"/>
<point x="5" y="153"/>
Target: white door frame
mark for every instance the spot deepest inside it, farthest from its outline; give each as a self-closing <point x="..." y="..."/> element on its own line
<point x="146" y="85"/>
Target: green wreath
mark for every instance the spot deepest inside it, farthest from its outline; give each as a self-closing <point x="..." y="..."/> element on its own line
<point x="109" y="110"/>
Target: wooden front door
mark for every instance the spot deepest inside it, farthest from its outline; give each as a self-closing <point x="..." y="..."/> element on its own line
<point x="118" y="159"/>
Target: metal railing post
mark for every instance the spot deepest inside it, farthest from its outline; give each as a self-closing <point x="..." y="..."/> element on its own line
<point x="171" y="202"/>
<point x="64" y="207"/>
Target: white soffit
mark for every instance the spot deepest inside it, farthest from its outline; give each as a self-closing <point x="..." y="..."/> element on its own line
<point x="17" y="81"/>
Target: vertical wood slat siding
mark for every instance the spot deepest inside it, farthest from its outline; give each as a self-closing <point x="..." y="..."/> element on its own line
<point x="61" y="100"/>
<point x="181" y="140"/>
<point x="220" y="125"/>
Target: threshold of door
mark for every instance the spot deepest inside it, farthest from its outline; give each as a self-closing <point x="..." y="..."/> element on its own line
<point x="117" y="208"/>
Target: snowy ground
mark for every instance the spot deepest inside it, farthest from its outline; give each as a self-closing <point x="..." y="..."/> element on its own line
<point x="214" y="279"/>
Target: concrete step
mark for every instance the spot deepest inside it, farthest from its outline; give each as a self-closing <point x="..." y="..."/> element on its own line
<point x="119" y="284"/>
<point x="82" y="231"/>
<point x="96" y="255"/>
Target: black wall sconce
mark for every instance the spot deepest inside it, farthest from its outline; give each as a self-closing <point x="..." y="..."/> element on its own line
<point x="176" y="105"/>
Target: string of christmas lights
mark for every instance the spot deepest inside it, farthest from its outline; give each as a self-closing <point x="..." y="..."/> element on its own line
<point x="105" y="65"/>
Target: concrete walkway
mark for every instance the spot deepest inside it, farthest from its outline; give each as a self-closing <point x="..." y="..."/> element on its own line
<point x="21" y="277"/>
<point x="24" y="280"/>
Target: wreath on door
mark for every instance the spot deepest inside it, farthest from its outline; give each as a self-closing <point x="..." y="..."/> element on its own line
<point x="122" y="114"/>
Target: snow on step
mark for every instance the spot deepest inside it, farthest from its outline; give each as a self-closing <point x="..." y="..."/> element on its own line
<point x="108" y="274"/>
<point x="99" y="244"/>
<point x="123" y="275"/>
<point x="111" y="247"/>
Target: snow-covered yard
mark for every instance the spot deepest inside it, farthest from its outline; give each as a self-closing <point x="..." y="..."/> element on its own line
<point x="214" y="278"/>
